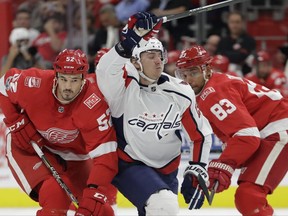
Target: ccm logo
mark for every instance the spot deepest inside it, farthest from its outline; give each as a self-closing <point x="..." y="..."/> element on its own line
<point x="17" y="125"/>
<point x="100" y="196"/>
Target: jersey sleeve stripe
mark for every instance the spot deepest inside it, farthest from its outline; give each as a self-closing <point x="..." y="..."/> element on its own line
<point x="104" y="148"/>
<point x="69" y="155"/>
<point x="272" y="157"/>
<point x="273" y="127"/>
<point x="252" y="131"/>
<point x="194" y="134"/>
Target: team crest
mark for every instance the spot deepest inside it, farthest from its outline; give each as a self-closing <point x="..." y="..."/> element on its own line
<point x="12" y="83"/>
<point x="32" y="82"/>
<point x="92" y="100"/>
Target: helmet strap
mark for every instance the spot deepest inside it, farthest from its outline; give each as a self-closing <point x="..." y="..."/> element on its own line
<point x="143" y="75"/>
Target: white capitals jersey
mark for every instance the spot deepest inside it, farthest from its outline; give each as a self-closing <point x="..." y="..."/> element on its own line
<point x="148" y="119"/>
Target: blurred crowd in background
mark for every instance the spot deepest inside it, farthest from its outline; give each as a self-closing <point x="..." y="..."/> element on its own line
<point x="42" y="28"/>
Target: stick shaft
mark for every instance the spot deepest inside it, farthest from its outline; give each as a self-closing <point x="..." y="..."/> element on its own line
<point x="203" y="186"/>
<point x="213" y="191"/>
<point x="202" y="9"/>
<point x="54" y="173"/>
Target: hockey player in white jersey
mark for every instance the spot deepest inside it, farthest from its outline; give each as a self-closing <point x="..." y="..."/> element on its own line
<point x="149" y="109"/>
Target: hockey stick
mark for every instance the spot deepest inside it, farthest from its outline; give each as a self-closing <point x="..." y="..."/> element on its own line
<point x="198" y="10"/>
<point x="213" y="191"/>
<point x="55" y="174"/>
<point x="204" y="187"/>
<point x="205" y="190"/>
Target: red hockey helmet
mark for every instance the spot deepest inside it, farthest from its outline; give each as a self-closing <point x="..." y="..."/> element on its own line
<point x="71" y="62"/>
<point x="99" y="54"/>
<point x="192" y="57"/>
<point x="220" y="62"/>
<point x="262" y="56"/>
<point x="173" y="56"/>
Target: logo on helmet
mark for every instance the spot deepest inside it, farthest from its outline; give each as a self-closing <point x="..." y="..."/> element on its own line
<point x="71" y="62"/>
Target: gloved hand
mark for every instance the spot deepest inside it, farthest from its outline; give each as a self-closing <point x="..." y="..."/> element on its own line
<point x="22" y="132"/>
<point x="190" y="188"/>
<point x="139" y="29"/>
<point x="220" y="172"/>
<point x="94" y="202"/>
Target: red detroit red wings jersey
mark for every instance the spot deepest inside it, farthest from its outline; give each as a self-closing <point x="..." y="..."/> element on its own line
<point x="240" y="113"/>
<point x="75" y="131"/>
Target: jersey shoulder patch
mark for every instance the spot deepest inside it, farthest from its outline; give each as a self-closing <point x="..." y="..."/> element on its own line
<point x="92" y="100"/>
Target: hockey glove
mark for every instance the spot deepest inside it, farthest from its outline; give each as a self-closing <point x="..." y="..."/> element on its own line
<point x="22" y="132"/>
<point x="139" y="29"/>
<point x="190" y="188"/>
<point x="220" y="172"/>
<point x="94" y="202"/>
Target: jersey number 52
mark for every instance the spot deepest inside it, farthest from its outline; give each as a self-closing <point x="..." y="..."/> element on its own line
<point x="104" y="121"/>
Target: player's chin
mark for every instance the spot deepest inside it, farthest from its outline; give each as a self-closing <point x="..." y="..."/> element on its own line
<point x="196" y="90"/>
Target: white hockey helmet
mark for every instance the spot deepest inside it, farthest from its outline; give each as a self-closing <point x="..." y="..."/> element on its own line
<point x="18" y="34"/>
<point x="152" y="44"/>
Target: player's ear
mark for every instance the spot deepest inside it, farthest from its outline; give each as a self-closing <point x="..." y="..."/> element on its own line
<point x="135" y="63"/>
<point x="208" y="71"/>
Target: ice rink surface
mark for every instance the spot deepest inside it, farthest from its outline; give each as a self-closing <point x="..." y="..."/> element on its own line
<point x="133" y="212"/>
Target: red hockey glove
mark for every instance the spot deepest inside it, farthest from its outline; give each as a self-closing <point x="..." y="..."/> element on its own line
<point x="139" y="29"/>
<point x="220" y="172"/>
<point x="94" y="202"/>
<point x="22" y="132"/>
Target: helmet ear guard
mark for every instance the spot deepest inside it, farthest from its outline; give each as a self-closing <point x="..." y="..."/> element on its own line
<point x="71" y="62"/>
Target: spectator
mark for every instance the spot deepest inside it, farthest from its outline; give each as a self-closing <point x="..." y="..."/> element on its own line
<point x="211" y="44"/>
<point x="238" y="44"/>
<point x="264" y="74"/>
<point x="177" y="28"/>
<point x="126" y="8"/>
<point x="23" y="19"/>
<point x="77" y="37"/>
<point x="108" y="34"/>
<point x="35" y="8"/>
<point x="51" y="40"/>
<point x="281" y="58"/>
<point x="20" y="55"/>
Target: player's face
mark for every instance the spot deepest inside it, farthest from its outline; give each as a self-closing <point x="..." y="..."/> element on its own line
<point x="152" y="63"/>
<point x="264" y="69"/>
<point x="193" y="76"/>
<point x="68" y="86"/>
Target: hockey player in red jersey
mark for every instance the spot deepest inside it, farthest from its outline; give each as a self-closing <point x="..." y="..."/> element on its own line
<point x="149" y="109"/>
<point x="220" y="63"/>
<point x="252" y="122"/>
<point x="264" y="74"/>
<point x="70" y="120"/>
<point x="111" y="189"/>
